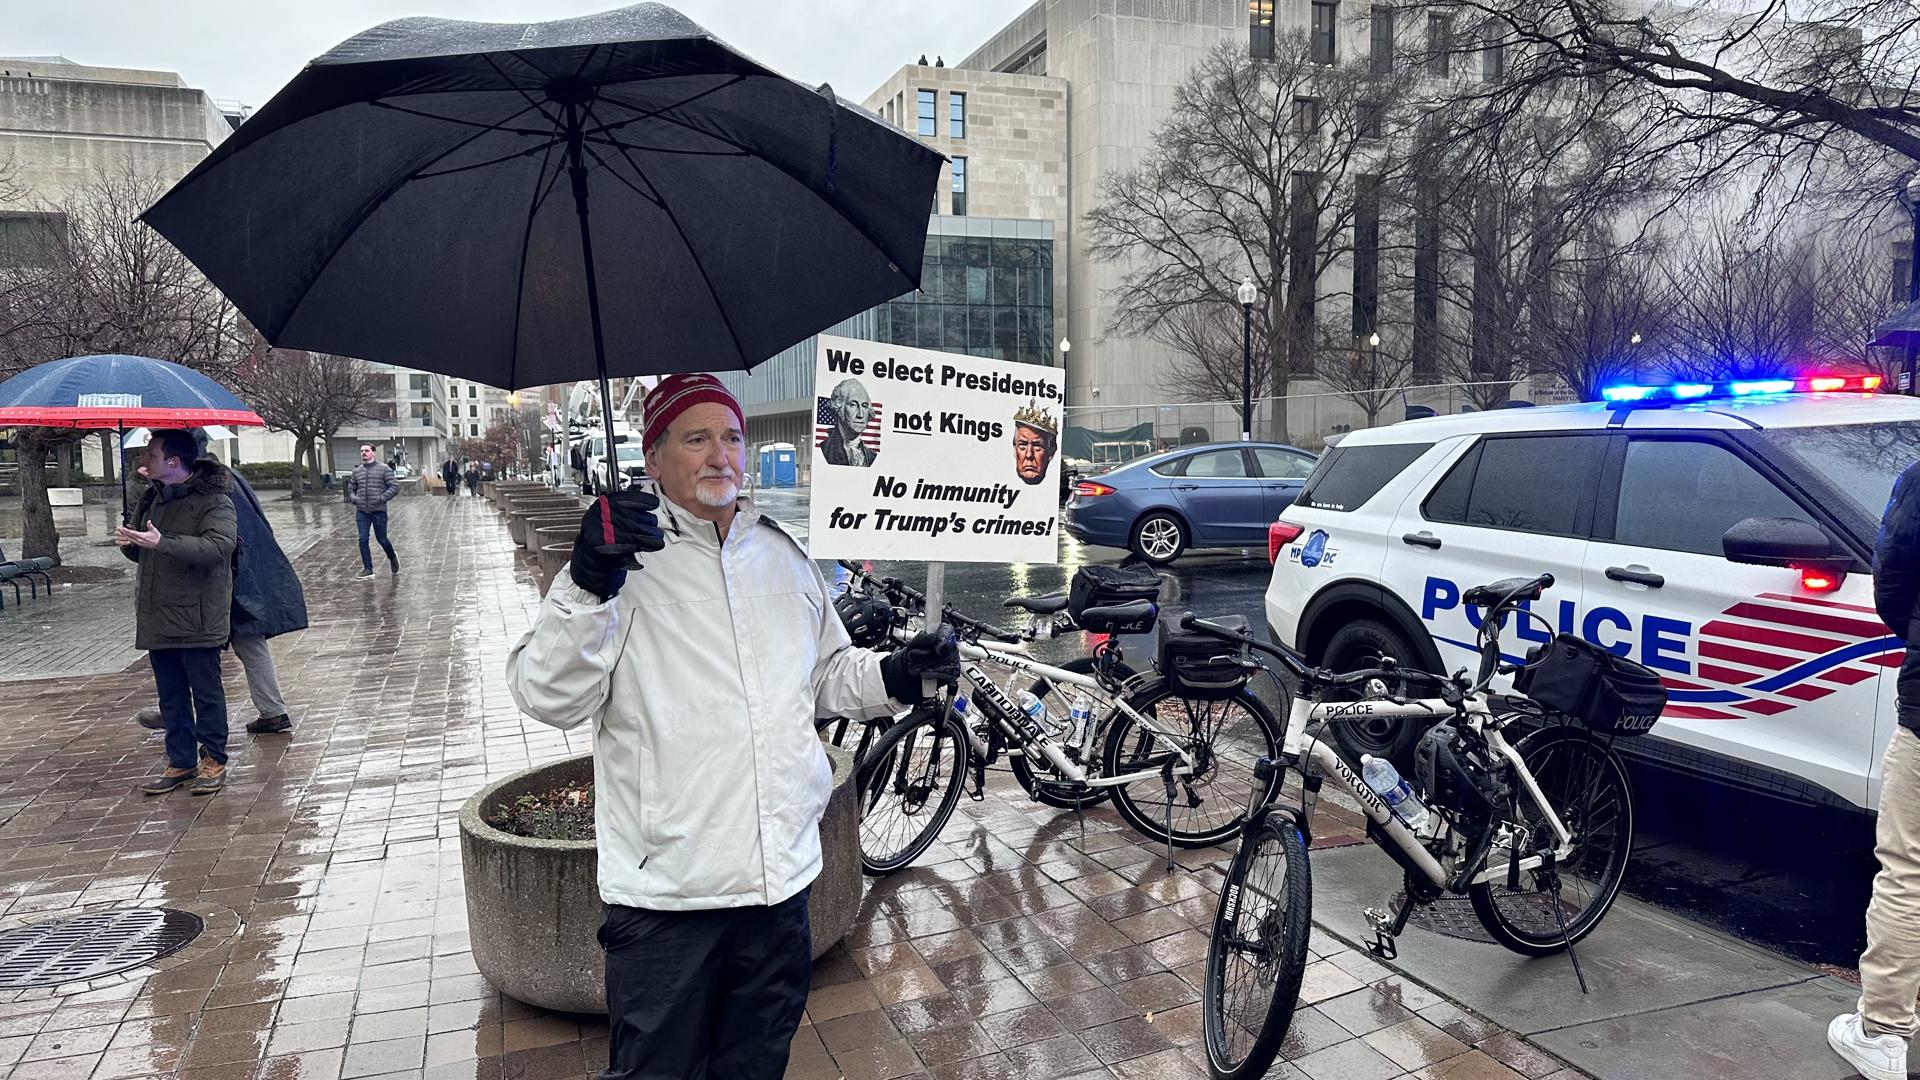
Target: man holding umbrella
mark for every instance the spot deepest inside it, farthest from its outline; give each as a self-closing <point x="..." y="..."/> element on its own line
<point x="182" y="593"/>
<point x="702" y="673"/>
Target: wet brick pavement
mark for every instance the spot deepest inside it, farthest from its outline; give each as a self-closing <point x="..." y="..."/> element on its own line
<point x="1028" y="943"/>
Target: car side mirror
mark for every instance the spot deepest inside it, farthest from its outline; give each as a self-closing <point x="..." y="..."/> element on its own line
<point x="1791" y="542"/>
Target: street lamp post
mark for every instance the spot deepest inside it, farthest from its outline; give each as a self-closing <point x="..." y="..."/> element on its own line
<point x="1911" y="198"/>
<point x="1247" y="293"/>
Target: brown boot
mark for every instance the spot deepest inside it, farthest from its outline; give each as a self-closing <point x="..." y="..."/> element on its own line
<point x="167" y="781"/>
<point x="213" y="777"/>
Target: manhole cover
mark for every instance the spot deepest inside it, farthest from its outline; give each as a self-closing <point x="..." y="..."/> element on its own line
<point x="91" y="945"/>
<point x="1450" y="915"/>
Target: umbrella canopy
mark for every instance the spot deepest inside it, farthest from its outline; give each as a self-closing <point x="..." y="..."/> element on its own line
<point x="1903" y="328"/>
<point x="524" y="204"/>
<point x="113" y="392"/>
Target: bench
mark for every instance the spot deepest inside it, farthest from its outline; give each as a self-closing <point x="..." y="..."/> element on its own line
<point x="32" y="571"/>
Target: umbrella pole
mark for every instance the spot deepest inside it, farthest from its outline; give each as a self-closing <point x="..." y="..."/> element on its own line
<point x="577" y="175"/>
<point x="126" y="512"/>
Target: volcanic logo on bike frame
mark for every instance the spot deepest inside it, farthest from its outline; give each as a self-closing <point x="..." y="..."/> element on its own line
<point x="960" y="463"/>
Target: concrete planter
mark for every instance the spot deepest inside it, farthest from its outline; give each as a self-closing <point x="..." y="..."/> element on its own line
<point x="505" y="496"/>
<point x="533" y="906"/>
<point x="526" y="511"/>
<point x="553" y="555"/>
<point x="518" y="501"/>
<point x="567" y="519"/>
<point x="499" y="490"/>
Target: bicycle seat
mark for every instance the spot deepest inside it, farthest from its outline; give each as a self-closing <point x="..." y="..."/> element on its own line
<point x="1039" y="605"/>
<point x="1127" y="614"/>
<point x="1487" y="595"/>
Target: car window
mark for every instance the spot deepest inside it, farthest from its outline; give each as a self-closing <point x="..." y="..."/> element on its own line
<point x="1862" y="460"/>
<point x="1350" y="475"/>
<point x="1680" y="495"/>
<point x="1526" y="484"/>
<point x="1219" y="464"/>
<point x="1282" y="465"/>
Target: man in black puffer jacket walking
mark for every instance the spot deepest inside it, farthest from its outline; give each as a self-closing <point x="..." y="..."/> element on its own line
<point x="1874" y="1039"/>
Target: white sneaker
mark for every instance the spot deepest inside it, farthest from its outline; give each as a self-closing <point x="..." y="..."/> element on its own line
<point x="1878" y="1057"/>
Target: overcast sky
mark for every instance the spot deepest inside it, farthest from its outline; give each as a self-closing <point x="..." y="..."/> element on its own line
<point x="246" y="49"/>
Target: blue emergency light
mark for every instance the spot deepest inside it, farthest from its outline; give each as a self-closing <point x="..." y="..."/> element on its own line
<point x="1817" y="384"/>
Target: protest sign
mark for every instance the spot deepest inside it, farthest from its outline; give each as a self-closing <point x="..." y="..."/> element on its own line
<point x="934" y="456"/>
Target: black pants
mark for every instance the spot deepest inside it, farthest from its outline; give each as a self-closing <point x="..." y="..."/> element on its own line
<point x="694" y="994"/>
<point x="193" y="704"/>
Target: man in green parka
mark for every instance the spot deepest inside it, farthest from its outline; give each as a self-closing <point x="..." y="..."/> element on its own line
<point x="184" y="540"/>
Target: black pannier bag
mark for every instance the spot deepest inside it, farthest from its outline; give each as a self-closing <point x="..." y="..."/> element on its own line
<point x="1203" y="667"/>
<point x="1609" y="694"/>
<point x="1107" y="586"/>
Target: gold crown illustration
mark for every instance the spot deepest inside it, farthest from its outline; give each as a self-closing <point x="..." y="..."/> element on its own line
<point x="1036" y="418"/>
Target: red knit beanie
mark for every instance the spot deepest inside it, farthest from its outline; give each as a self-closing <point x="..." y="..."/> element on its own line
<point x="676" y="394"/>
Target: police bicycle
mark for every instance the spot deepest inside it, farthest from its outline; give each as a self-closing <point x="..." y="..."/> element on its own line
<point x="1177" y="760"/>
<point x="1535" y="833"/>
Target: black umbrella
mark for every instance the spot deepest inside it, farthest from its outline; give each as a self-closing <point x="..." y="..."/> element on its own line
<point x="460" y="197"/>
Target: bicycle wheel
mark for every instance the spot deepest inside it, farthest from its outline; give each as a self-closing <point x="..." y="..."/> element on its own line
<point x="1588" y="788"/>
<point x="1258" y="951"/>
<point x="909" y="781"/>
<point x="1224" y="737"/>
<point x="1056" y="792"/>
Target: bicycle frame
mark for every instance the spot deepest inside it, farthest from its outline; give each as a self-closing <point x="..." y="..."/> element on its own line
<point x="1301" y="747"/>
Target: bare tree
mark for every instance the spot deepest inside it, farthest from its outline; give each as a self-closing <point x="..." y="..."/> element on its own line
<point x="102" y="282"/>
<point x="1369" y="375"/>
<point x="1741" y="303"/>
<point x="1603" y="324"/>
<point x="1807" y="93"/>
<point x="1208" y="339"/>
<point x="1252" y="174"/>
<point x="308" y="395"/>
<point x="1855" y="293"/>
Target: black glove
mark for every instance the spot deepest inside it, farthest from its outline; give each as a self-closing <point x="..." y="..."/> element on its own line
<point x="928" y="655"/>
<point x="611" y="531"/>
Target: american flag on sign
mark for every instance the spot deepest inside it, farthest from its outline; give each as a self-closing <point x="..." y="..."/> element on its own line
<point x="824" y="420"/>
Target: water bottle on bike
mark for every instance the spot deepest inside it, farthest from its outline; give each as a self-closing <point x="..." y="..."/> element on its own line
<point x="1385" y="781"/>
<point x="1036" y="711"/>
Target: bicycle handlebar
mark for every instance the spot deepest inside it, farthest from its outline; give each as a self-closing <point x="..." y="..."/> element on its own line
<point x="903" y="595"/>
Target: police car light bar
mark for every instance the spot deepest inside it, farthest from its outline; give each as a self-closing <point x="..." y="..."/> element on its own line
<point x="1817" y="384"/>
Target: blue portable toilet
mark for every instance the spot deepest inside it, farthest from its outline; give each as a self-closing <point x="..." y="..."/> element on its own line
<point x="786" y="465"/>
<point x="766" y="465"/>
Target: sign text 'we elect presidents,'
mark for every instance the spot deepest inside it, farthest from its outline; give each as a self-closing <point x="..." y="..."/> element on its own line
<point x="933" y="456"/>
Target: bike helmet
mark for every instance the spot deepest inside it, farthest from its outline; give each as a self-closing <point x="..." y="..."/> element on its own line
<point x="867" y="618"/>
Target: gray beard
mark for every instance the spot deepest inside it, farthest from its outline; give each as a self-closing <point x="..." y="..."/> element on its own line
<point x="704" y="498"/>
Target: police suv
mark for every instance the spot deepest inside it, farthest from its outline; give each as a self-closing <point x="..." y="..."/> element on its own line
<point x="1719" y="534"/>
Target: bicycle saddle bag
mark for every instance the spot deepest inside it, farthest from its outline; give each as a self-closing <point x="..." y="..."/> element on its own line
<point x="1109" y="587"/>
<point x="1202" y="667"/>
<point x="1609" y="694"/>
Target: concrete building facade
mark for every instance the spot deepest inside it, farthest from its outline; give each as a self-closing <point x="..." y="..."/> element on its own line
<point x="414" y="423"/>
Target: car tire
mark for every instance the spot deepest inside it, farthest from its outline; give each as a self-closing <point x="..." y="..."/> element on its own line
<point x="1358" y="645"/>
<point x="1158" y="538"/>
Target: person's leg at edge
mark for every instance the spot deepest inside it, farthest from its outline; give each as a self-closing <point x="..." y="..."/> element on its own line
<point x="176" y="706"/>
<point x="660" y="971"/>
<point x="1890" y="968"/>
<point x="209" y="700"/>
<point x="263" y="679"/>
<point x="380" y="533"/>
<point x="766" y="976"/>
<point x="364" y="521"/>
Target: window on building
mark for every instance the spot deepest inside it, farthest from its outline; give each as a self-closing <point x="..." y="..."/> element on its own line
<point x="1440" y="45"/>
<point x="960" y="186"/>
<point x="473" y="410"/>
<point x="1260" y="29"/>
<point x="1371" y="119"/>
<point x="1366" y="255"/>
<point x="1326" y="15"/>
<point x="1902" y="277"/>
<point x="1306" y="116"/>
<point x="29" y="238"/>
<point x="1426" y="284"/>
<point x="956" y="116"/>
<point x="420" y="384"/>
<point x="1303" y="238"/>
<point x="472" y="390"/>
<point x="1381" y="60"/>
<point x="473" y="430"/>
<point x="927" y="99"/>
<point x="1493" y="52"/>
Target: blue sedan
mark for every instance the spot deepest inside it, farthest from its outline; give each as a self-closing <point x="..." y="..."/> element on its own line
<point x="1207" y="496"/>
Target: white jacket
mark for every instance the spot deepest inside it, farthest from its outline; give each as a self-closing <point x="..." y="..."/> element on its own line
<point x="703" y="677"/>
